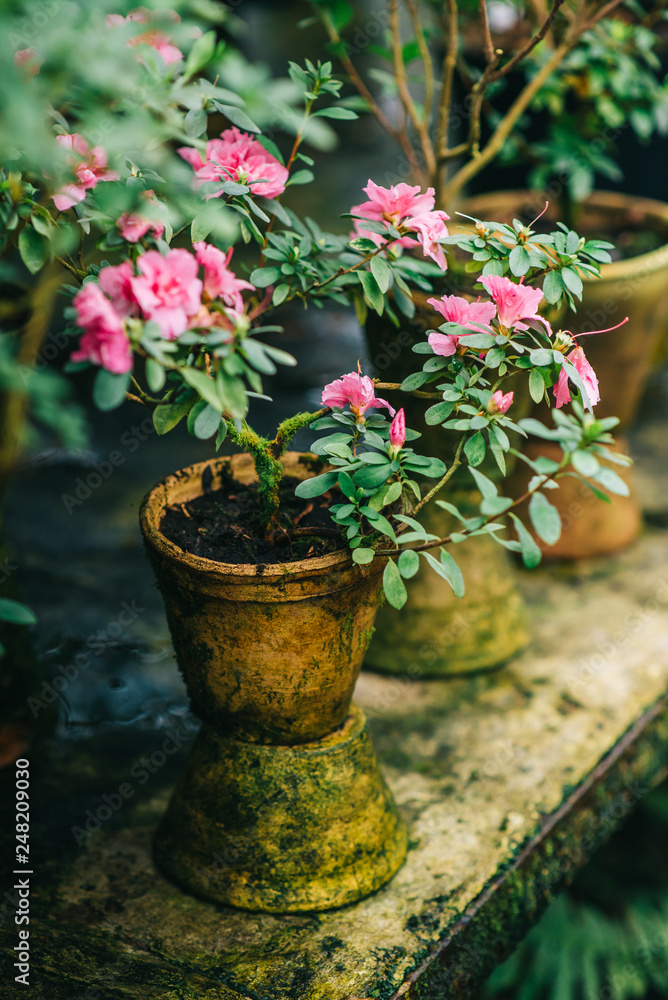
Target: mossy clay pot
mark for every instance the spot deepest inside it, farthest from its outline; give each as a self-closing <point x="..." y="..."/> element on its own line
<point x="270" y="654"/>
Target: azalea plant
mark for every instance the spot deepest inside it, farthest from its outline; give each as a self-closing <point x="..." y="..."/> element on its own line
<point x="176" y="323"/>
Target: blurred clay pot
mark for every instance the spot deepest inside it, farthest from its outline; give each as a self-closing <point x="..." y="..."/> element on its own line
<point x="622" y="359"/>
<point x="438" y="634"/>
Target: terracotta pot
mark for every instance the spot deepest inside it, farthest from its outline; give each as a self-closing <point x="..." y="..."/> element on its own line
<point x="622" y="359"/>
<point x="438" y="634"/>
<point x="270" y="654"/>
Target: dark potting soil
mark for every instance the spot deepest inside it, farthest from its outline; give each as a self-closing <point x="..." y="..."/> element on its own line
<point x="224" y="525"/>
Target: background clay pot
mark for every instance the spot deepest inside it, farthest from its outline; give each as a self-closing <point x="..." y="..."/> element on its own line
<point x="438" y="634"/>
<point x="270" y="653"/>
<point x="622" y="359"/>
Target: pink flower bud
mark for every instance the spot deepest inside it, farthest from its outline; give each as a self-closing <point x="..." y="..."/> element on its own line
<point x="398" y="430"/>
<point x="500" y="403"/>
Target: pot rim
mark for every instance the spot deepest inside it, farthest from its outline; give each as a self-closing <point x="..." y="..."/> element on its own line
<point x="158" y="499"/>
<point x="631" y="267"/>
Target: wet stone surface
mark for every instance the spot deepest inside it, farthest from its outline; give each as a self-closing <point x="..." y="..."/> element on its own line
<point x="507" y="781"/>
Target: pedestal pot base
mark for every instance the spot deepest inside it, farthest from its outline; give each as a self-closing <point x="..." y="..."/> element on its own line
<point x="282" y="828"/>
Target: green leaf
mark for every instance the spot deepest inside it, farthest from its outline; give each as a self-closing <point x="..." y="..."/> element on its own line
<point x="479" y="341"/>
<point x="155" y="375"/>
<point x="16" y="613"/>
<point x="572" y="280"/>
<point x="204" y="386"/>
<point x="609" y="479"/>
<point x="531" y="554"/>
<point x="167" y="415"/>
<point x="449" y="570"/>
<point x="342" y="113"/>
<point x="109" y="389"/>
<point x="200" y="227"/>
<point x="203" y="420"/>
<point x="301" y="177"/>
<point x="347" y="486"/>
<point x="381" y="272"/>
<point x="485" y="485"/>
<point x="316" y="486"/>
<point x="362" y="555"/>
<point x="264" y="276"/>
<point x="200" y="54"/>
<point x="585" y="463"/>
<point x="536" y="386"/>
<point x="393" y="586"/>
<point x="519" y="260"/>
<point x="372" y="293"/>
<point x="408" y="563"/>
<point x="545" y="519"/>
<point x="281" y="293"/>
<point x="195" y="123"/>
<point x="33" y="248"/>
<point x="475" y="448"/>
<point x="237" y="117"/>
<point x="553" y="287"/>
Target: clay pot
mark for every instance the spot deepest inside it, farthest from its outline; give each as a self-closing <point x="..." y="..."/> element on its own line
<point x="270" y="654"/>
<point x="622" y="359"/>
<point x="438" y="634"/>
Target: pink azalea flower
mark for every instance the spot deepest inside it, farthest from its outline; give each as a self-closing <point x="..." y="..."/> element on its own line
<point x="158" y="40"/>
<point x="104" y="341"/>
<point x="133" y="225"/>
<point x="168" y="290"/>
<point x="431" y="228"/>
<point x="238" y="156"/>
<point x="398" y="431"/>
<point x="89" y="166"/>
<point x="116" y="282"/>
<point x="587" y="374"/>
<point x="444" y="344"/>
<point x="472" y="315"/>
<point x="514" y="303"/>
<point x="219" y="281"/>
<point x="29" y="60"/>
<point x="392" y="205"/>
<point x="500" y="403"/>
<point x="354" y="390"/>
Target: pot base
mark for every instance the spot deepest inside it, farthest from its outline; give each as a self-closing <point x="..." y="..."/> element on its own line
<point x="282" y="828"/>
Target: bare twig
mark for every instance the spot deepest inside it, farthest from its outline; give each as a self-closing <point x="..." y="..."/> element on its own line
<point x="488" y="44"/>
<point x="421" y="127"/>
<point x="449" y="66"/>
<point x="441" y="483"/>
<point x="426" y="59"/>
<point x="375" y="109"/>
<point x="531" y="44"/>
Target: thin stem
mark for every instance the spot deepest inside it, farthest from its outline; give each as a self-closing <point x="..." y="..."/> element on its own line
<point x="397" y="134"/>
<point x="540" y="34"/>
<point x="447" y="82"/>
<point x="404" y="93"/>
<point x="488" y="44"/>
<point x="441" y="483"/>
<point x="73" y="270"/>
<point x="426" y="60"/>
<point x="411" y="392"/>
<point x="467" y="531"/>
<point x="506" y="125"/>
